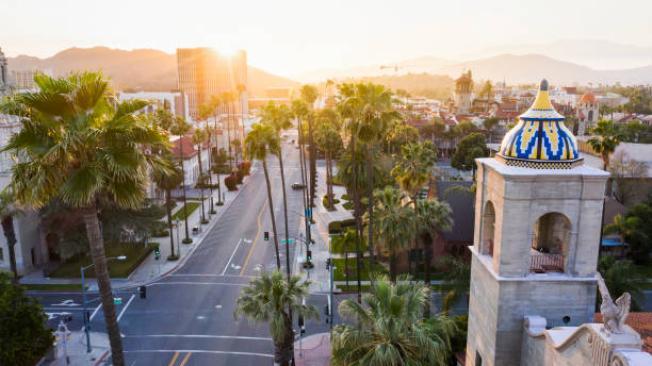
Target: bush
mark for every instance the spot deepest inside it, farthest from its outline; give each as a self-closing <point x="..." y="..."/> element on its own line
<point x="161" y="233"/>
<point x="337" y="227"/>
<point x="245" y="166"/>
<point x="231" y="182"/>
<point x="239" y="175"/>
<point x="222" y="169"/>
<point x="346" y="197"/>
<point x="348" y="205"/>
<point x="325" y="201"/>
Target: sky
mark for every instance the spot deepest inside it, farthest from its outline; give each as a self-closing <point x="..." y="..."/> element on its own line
<point x="290" y="37"/>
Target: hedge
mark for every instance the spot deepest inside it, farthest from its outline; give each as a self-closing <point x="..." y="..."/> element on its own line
<point x="337" y="227"/>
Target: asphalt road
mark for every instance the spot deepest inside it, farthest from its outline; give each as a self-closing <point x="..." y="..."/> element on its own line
<point x="187" y="318"/>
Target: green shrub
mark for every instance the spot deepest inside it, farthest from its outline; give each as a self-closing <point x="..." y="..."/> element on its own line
<point x="346" y="197"/>
<point x="348" y="205"/>
<point x="325" y="201"/>
<point x="245" y="166"/>
<point x="239" y="175"/>
<point x="337" y="227"/>
<point x="161" y="233"/>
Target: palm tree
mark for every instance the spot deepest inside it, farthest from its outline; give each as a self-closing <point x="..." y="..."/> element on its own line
<point x="206" y="111"/>
<point x="349" y="240"/>
<point x="271" y="298"/>
<point x="390" y="329"/>
<point x="624" y="226"/>
<point x="278" y="117"/>
<point x="198" y="139"/>
<point x="456" y="280"/>
<point x="260" y="141"/>
<point x="432" y="217"/>
<point x="237" y="146"/>
<point x="395" y="224"/>
<point x="180" y="128"/>
<point x="7" y="212"/>
<point x="309" y="95"/>
<point x="169" y="181"/>
<point x="330" y="142"/>
<point x="620" y="277"/>
<point x="241" y="89"/>
<point x="226" y="99"/>
<point x="607" y="137"/>
<point x="77" y="145"/>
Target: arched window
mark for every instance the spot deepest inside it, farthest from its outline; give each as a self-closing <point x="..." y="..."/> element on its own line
<point x="488" y="222"/>
<point x="590" y="116"/>
<point x="550" y="243"/>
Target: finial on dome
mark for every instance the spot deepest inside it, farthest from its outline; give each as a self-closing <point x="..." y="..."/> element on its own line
<point x="543" y="85"/>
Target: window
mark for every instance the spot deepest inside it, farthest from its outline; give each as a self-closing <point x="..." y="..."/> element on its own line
<point x="550" y="243"/>
<point x="2" y="254"/>
<point x="488" y="222"/>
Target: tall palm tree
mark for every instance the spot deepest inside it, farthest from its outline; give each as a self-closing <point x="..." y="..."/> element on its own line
<point x="606" y="139"/>
<point x="299" y="110"/>
<point x="390" y="329"/>
<point x="330" y="142"/>
<point x="77" y="144"/>
<point x="413" y="170"/>
<point x="169" y="181"/>
<point x="241" y="89"/>
<point x="278" y="117"/>
<point x="624" y="226"/>
<point x="272" y="298"/>
<point x="260" y="141"/>
<point x="349" y="240"/>
<point x="198" y="139"/>
<point x="432" y="217"/>
<point x="226" y="99"/>
<point x="206" y="111"/>
<point x="309" y="95"/>
<point x="395" y="224"/>
<point x="8" y="210"/>
<point x="180" y="128"/>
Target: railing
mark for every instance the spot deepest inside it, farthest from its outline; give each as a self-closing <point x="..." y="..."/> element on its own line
<point x="545" y="262"/>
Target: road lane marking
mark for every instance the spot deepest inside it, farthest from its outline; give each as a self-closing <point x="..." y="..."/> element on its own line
<point x="266" y="355"/>
<point x="198" y="283"/>
<point x="185" y="359"/>
<point x="126" y="306"/>
<point x="95" y="312"/>
<point x="208" y="275"/>
<point x="232" y="255"/>
<point x="206" y="336"/>
<point x="174" y="359"/>
<point x="251" y="250"/>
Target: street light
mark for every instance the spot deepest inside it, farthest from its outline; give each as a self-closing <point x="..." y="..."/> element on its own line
<point x="86" y="317"/>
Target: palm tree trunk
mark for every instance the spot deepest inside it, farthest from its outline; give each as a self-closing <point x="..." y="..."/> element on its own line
<point x="201" y="184"/>
<point x="217" y="150"/>
<point x="228" y="133"/>
<point x="285" y="215"/>
<point x="210" y="172"/>
<point x="183" y="188"/>
<point x="284" y="348"/>
<point x="271" y="214"/>
<point x="357" y="213"/>
<point x="96" y="245"/>
<point x="10" y="235"/>
<point x="168" y="211"/>
<point x="346" y="265"/>
<point x="392" y="265"/>
<point x="329" y="191"/>
<point x="370" y="207"/>
<point x="427" y="254"/>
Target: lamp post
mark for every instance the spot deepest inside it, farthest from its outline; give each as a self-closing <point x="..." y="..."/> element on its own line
<point x="86" y="317"/>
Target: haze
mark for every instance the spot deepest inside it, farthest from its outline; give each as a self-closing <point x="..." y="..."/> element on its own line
<point x="291" y="37"/>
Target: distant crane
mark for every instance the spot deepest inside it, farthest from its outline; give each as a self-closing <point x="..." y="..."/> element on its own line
<point x="396" y="67"/>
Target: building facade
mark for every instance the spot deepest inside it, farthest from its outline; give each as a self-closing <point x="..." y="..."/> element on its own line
<point x="588" y="112"/>
<point x="4" y="74"/>
<point x="204" y="73"/>
<point x="463" y="96"/>
<point x="174" y="102"/>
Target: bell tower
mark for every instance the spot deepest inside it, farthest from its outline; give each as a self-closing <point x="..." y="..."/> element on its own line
<point x="538" y="213"/>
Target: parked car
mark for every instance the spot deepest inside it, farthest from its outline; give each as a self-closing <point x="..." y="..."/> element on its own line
<point x="297" y="185"/>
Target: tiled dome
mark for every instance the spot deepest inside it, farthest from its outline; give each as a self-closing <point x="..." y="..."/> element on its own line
<point x="540" y="139"/>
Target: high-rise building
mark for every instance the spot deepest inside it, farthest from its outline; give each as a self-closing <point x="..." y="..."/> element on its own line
<point x="204" y="73"/>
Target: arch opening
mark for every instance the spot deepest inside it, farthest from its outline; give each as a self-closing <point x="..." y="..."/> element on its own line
<point x="550" y="243"/>
<point x="488" y="229"/>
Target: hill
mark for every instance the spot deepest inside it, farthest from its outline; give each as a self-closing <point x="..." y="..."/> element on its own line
<point x="140" y="69"/>
<point x="426" y="85"/>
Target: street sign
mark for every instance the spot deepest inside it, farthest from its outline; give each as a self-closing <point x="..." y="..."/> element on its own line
<point x="287" y="241"/>
<point x="266" y="236"/>
<point x="117" y="301"/>
<point x="157" y="253"/>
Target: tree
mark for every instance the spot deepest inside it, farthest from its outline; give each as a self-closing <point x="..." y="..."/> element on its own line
<point x="390" y="329"/>
<point x="349" y="240"/>
<point x="7" y="212"/>
<point x="399" y="134"/>
<point x="620" y="277"/>
<point x="198" y="139"/>
<point x="272" y="298"/>
<point x="260" y="141"/>
<point x="637" y="231"/>
<point x="606" y="137"/>
<point x="432" y="217"/>
<point x="278" y="117"/>
<point x="627" y="175"/>
<point x="395" y="224"/>
<point x="456" y="280"/>
<point x="24" y="334"/>
<point x="237" y="147"/>
<point x="414" y="167"/>
<point x="76" y="144"/>
<point x="168" y="181"/>
<point x="330" y="142"/>
<point x="470" y="148"/>
<point x="309" y="95"/>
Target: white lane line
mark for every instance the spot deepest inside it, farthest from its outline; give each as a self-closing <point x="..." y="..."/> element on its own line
<point x="267" y="355"/>
<point x="126" y="306"/>
<point x="232" y="255"/>
<point x="198" y="283"/>
<point x="95" y="312"/>
<point x="208" y="336"/>
<point x="208" y="275"/>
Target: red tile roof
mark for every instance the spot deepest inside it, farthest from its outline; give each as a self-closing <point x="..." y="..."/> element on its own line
<point x="189" y="149"/>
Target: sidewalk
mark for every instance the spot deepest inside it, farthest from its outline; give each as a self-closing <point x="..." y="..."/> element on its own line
<point x="319" y="275"/>
<point x="151" y="269"/>
<point x="75" y="348"/>
<point x="314" y="350"/>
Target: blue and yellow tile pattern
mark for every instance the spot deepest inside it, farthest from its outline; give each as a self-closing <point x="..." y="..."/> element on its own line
<point x="540" y="139"/>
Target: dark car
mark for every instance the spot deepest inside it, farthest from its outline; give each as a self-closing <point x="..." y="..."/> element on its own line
<point x="298" y="185"/>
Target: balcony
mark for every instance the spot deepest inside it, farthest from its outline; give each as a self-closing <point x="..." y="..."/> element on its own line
<point x="546" y="262"/>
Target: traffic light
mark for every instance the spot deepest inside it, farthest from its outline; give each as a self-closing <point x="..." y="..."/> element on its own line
<point x="143" y="292"/>
<point x="302" y="324"/>
<point x="266" y="235"/>
<point x="157" y="253"/>
<point x="309" y="255"/>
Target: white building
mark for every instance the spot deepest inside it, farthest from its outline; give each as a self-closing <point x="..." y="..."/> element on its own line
<point x="175" y="102"/>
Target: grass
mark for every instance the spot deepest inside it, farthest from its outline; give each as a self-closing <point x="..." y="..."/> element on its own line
<point x="136" y="253"/>
<point x="364" y="275"/>
<point x="190" y="207"/>
<point x="337" y="245"/>
<point x="52" y="287"/>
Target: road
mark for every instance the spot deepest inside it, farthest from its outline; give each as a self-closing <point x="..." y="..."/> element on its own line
<point x="187" y="318"/>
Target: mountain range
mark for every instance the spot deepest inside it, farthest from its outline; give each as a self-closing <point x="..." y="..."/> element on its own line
<point x="140" y="69"/>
